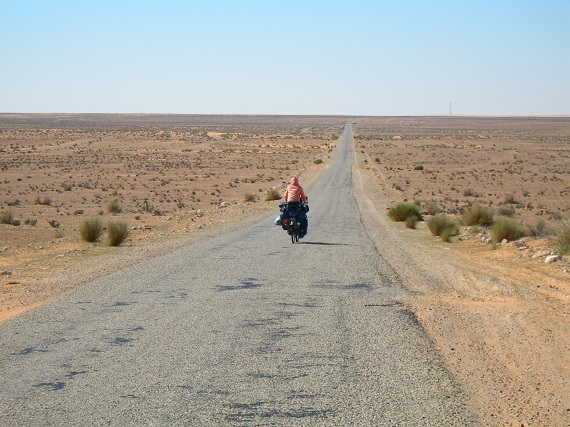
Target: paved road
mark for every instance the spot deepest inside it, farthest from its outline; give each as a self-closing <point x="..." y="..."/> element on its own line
<point x="243" y="329"/>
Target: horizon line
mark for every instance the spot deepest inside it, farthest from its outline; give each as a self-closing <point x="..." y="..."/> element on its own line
<point x="285" y="114"/>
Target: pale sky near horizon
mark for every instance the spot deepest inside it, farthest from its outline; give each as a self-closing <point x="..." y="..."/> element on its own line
<point x="485" y="57"/>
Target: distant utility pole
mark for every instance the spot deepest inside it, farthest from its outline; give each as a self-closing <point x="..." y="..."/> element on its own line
<point x="450" y="108"/>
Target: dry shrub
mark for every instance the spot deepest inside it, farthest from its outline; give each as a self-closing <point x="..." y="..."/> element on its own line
<point x="6" y="217"/>
<point x="412" y="221"/>
<point x="507" y="229"/>
<point x="402" y="211"/>
<point x="43" y="200"/>
<point x="563" y="239"/>
<point x="507" y="211"/>
<point x="432" y="208"/>
<point x="114" y="207"/>
<point x="442" y="225"/>
<point x="91" y="229"/>
<point x="273" y="195"/>
<point x="478" y="215"/>
<point x="540" y="229"/>
<point x="250" y="197"/>
<point x="117" y="232"/>
<point x="510" y="200"/>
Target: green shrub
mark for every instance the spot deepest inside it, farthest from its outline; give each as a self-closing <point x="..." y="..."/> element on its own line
<point x="563" y="240"/>
<point x="114" y="207"/>
<point x="438" y="224"/>
<point x="16" y="222"/>
<point x="117" y="232"/>
<point x="273" y="195"/>
<point x="478" y="215"/>
<point x="507" y="229"/>
<point x="411" y="221"/>
<point x="402" y="211"/>
<point x="250" y="197"/>
<point x="6" y="217"/>
<point x="91" y="229"/>
<point x="419" y="168"/>
<point x="318" y="162"/>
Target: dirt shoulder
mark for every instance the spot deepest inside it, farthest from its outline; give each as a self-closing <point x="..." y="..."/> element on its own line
<point x="499" y="320"/>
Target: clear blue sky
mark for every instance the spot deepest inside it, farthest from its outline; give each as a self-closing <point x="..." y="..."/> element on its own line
<point x="355" y="57"/>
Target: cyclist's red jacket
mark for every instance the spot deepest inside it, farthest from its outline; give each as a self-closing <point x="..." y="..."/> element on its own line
<point x="294" y="192"/>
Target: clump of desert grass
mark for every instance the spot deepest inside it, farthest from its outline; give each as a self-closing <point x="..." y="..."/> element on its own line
<point x="272" y="195"/>
<point x="539" y="229"/>
<point x="117" y="232"/>
<point x="478" y="215"/>
<point x="507" y="229"/>
<point x="250" y="197"/>
<point x="46" y="200"/>
<point x="432" y="208"/>
<point x="563" y="239"/>
<point x="114" y="207"/>
<point x="443" y="226"/>
<point x="6" y="217"/>
<point x="507" y="211"/>
<point x="403" y="211"/>
<point x="411" y="221"/>
<point x="91" y="229"/>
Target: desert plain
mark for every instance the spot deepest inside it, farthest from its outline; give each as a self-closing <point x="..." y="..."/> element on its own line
<point x="497" y="313"/>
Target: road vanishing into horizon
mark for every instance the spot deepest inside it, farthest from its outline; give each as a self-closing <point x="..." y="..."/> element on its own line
<point x="241" y="329"/>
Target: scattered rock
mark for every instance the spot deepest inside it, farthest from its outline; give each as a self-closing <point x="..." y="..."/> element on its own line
<point x="541" y="254"/>
<point x="141" y="227"/>
<point x="504" y="242"/>
<point x="5" y="273"/>
<point x="79" y="212"/>
<point x="552" y="258"/>
<point x="486" y="239"/>
<point x="520" y="244"/>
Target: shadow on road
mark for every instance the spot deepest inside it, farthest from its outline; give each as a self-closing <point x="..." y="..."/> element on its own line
<point x="324" y="244"/>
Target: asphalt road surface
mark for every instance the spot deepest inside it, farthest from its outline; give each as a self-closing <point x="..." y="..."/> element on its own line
<point x="244" y="328"/>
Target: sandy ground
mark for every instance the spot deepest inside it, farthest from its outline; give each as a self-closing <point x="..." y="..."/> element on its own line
<point x="498" y="316"/>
